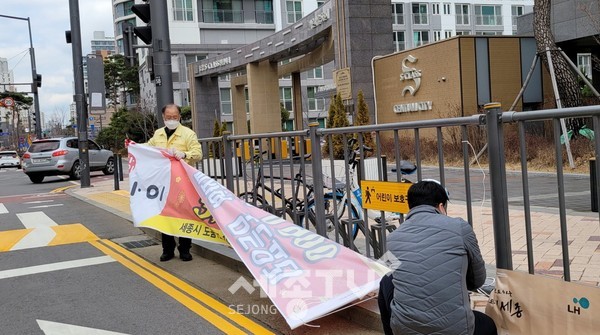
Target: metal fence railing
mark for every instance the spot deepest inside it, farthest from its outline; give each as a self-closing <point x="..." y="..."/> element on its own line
<point x="312" y="177"/>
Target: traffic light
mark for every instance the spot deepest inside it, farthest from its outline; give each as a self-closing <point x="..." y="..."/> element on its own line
<point x="37" y="82"/>
<point x="128" y="50"/>
<point x="143" y="12"/>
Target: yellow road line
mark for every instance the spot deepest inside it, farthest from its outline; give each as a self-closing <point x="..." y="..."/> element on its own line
<point x="62" y="189"/>
<point x="182" y="291"/>
<point x="72" y="233"/>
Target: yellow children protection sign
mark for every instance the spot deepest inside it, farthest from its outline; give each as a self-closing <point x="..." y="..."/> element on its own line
<point x="385" y="195"/>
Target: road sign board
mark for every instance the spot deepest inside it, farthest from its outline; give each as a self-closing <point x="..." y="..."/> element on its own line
<point x="9" y="102"/>
<point x="385" y="196"/>
<point x="91" y="118"/>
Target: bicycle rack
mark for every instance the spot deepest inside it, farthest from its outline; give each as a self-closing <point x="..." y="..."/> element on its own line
<point x="343" y="230"/>
<point x="377" y="237"/>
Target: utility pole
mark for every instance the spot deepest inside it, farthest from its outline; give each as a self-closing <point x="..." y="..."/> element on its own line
<point x="74" y="37"/>
<point x="35" y="77"/>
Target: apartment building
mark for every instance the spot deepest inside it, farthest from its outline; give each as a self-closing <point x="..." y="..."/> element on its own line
<point x="422" y="22"/>
<point x="202" y="29"/>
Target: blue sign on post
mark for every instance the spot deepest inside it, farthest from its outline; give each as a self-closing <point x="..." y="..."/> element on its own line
<point x="92" y="127"/>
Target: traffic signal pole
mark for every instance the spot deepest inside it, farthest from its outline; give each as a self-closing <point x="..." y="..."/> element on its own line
<point x="79" y="97"/>
<point x="156" y="34"/>
<point x="36" y="79"/>
<point x="161" y="50"/>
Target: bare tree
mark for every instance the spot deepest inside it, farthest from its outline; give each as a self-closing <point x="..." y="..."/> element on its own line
<point x="566" y="79"/>
<point x="59" y="122"/>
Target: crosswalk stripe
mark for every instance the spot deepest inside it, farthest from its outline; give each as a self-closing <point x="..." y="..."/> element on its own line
<point x="35" y="220"/>
<point x="55" y="266"/>
<point x="42" y="233"/>
<point x="3" y="209"/>
<point x="38" y="237"/>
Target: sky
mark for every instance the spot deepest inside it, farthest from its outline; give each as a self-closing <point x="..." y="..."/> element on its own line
<point x="49" y="20"/>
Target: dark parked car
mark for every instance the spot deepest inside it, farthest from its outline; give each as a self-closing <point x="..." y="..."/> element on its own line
<point x="60" y="156"/>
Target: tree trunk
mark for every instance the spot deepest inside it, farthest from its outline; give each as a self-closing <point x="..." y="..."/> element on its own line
<point x="566" y="78"/>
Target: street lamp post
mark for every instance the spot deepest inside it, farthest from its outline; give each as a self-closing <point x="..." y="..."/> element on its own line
<point x="34" y="76"/>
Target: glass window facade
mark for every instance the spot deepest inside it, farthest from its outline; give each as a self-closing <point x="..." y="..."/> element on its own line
<point x="183" y="10"/>
<point x="398" y="13"/>
<point x="222" y="11"/>
<point x="294" y="11"/>
<point x="225" y="94"/>
<point x="285" y="97"/>
<point x="419" y="12"/>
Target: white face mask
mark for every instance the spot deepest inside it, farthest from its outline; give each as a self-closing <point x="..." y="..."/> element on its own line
<point x="172" y="124"/>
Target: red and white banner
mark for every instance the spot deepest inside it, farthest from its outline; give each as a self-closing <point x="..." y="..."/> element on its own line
<point x="304" y="274"/>
<point x="163" y="197"/>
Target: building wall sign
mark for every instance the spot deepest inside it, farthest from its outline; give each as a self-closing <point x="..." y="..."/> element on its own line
<point x="410" y="73"/>
<point x="414" y="74"/>
<point x="318" y="19"/>
<point x="214" y="64"/>
<point x="413" y="107"/>
<point x="343" y="82"/>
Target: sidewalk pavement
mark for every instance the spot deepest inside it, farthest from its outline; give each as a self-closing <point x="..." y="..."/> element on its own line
<point x="219" y="267"/>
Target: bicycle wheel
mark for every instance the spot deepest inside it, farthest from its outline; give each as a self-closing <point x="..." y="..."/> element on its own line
<point x="332" y="204"/>
<point x="255" y="200"/>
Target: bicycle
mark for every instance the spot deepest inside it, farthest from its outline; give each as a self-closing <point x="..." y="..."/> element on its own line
<point x="292" y="206"/>
<point x="338" y="199"/>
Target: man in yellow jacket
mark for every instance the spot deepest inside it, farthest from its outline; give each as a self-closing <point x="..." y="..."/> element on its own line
<point x="182" y="142"/>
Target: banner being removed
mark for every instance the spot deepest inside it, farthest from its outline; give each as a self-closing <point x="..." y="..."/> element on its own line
<point x="304" y="274"/>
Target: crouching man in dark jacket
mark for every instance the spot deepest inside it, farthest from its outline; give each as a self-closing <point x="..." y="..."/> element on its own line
<point x="439" y="262"/>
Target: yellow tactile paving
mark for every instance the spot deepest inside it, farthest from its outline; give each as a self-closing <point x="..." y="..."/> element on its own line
<point x="72" y="233"/>
<point x="118" y="200"/>
<point x="11" y="237"/>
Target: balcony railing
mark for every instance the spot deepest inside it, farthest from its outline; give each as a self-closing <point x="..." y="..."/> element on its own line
<point x="399" y="46"/>
<point x="223" y="16"/>
<point x="262" y="16"/>
<point x="398" y="18"/>
<point x="420" y="18"/>
<point x="462" y="19"/>
<point x="488" y="20"/>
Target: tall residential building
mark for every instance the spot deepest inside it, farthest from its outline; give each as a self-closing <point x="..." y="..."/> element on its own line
<point x="205" y="28"/>
<point x="122" y="14"/>
<point x="6" y="76"/>
<point x="102" y="45"/>
<point x="426" y="21"/>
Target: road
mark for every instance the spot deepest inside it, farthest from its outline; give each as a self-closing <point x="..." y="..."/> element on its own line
<point x="61" y="272"/>
<point x="543" y="187"/>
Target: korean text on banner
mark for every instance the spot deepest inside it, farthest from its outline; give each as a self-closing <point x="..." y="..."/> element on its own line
<point x="536" y="304"/>
<point x="304" y="274"/>
<point x="163" y="197"/>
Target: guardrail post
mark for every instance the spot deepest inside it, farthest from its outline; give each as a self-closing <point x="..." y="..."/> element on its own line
<point x="228" y="153"/>
<point x="497" y="170"/>
<point x="120" y="166"/>
<point x="116" y="172"/>
<point x="317" y="168"/>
